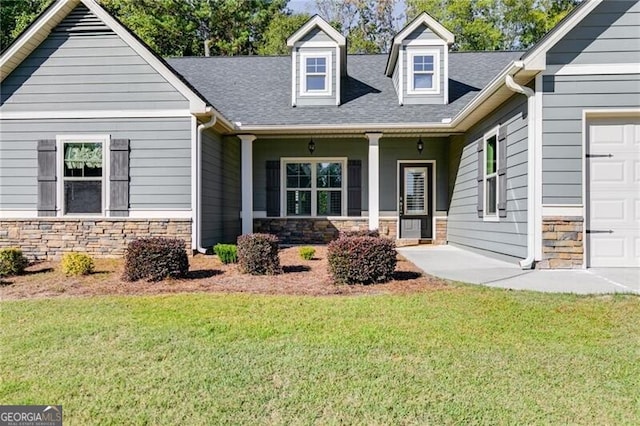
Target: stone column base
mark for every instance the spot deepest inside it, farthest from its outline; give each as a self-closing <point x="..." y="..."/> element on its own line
<point x="562" y="243"/>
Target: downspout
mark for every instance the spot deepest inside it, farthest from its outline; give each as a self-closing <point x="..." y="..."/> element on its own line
<point x="198" y="221"/>
<point x="528" y="263"/>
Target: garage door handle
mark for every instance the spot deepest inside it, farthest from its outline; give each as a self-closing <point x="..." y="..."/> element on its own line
<point x="599" y="155"/>
<point x="597" y="231"/>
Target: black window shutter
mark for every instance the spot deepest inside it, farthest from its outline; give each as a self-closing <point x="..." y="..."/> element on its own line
<point x="480" y="150"/>
<point x="354" y="190"/>
<point x="273" y="188"/>
<point x="502" y="171"/>
<point x="47" y="177"/>
<point x="119" y="179"/>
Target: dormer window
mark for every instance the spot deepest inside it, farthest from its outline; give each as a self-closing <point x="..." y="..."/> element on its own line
<point x="316" y="69"/>
<point x="423" y="71"/>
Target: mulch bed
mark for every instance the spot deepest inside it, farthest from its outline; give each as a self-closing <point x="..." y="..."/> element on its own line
<point x="208" y="274"/>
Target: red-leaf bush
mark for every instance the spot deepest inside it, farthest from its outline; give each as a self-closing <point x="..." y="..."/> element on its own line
<point x="154" y="259"/>
<point x="362" y="259"/>
<point x="360" y="233"/>
<point x="258" y="254"/>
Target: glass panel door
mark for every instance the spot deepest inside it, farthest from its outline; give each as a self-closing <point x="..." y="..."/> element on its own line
<point x="415" y="181"/>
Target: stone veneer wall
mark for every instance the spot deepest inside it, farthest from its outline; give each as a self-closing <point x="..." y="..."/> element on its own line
<point x="49" y="238"/>
<point x="441" y="231"/>
<point x="318" y="231"/>
<point x="562" y="243"/>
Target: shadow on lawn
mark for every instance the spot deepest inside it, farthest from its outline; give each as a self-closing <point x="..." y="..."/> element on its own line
<point x="295" y="268"/>
<point x="406" y="275"/>
<point x="38" y="271"/>
<point x="202" y="273"/>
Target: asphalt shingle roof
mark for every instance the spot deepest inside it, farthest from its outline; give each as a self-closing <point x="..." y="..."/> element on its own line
<point x="256" y="90"/>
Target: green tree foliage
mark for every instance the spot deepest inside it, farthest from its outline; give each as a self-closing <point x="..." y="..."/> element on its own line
<point x="16" y="15"/>
<point x="274" y="41"/>
<point x="494" y="24"/>
<point x="368" y="24"/>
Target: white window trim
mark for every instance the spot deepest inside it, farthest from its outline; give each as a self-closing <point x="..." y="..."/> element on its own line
<point x="303" y="74"/>
<point x="314" y="190"/>
<point x="496" y="216"/>
<point x="105" y="140"/>
<point x="411" y="53"/>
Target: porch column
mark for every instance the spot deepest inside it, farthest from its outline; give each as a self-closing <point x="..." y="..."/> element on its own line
<point x="374" y="179"/>
<point x="246" y="149"/>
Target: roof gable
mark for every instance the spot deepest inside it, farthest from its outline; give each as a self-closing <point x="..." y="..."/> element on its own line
<point x="316" y="22"/>
<point x="42" y="27"/>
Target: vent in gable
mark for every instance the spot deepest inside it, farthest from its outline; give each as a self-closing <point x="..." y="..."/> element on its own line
<point x="81" y="21"/>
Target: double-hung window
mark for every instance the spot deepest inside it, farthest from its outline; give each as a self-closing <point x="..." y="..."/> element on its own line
<point x="314" y="187"/>
<point x="316" y="74"/>
<point x="491" y="176"/>
<point x="423" y="72"/>
<point x="82" y="168"/>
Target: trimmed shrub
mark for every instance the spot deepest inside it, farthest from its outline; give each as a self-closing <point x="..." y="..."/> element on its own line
<point x="155" y="259"/>
<point x="77" y="264"/>
<point x="258" y="254"/>
<point x="360" y="233"/>
<point x="227" y="253"/>
<point x="12" y="262"/>
<point x="307" y="252"/>
<point x="362" y="259"/>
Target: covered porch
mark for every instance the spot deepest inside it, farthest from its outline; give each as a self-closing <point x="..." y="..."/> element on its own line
<point x="308" y="188"/>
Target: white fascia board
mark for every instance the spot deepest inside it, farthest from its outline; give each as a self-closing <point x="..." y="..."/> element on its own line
<point x="316" y="21"/>
<point x="196" y="104"/>
<point x="365" y="127"/>
<point x="536" y="59"/>
<point x="425" y="19"/>
<point x="42" y="26"/>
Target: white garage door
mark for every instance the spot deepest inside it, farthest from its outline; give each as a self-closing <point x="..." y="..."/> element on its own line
<point x="614" y="193"/>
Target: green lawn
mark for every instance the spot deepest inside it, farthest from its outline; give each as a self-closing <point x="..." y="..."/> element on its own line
<point x="466" y="355"/>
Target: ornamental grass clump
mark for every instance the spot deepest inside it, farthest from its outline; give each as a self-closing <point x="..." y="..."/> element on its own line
<point x="74" y="264"/>
<point x="227" y="253"/>
<point x="12" y="262"/>
<point x="307" y="252"/>
<point x="361" y="260"/>
<point x="258" y="254"/>
<point x="155" y="259"/>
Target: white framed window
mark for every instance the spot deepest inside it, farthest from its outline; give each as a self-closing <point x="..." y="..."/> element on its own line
<point x="314" y="187"/>
<point x="490" y="175"/>
<point x="82" y="170"/>
<point x="424" y="71"/>
<point x="315" y="76"/>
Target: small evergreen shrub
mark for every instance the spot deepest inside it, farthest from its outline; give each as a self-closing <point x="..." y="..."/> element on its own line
<point x="155" y="259"/>
<point x="258" y="254"/>
<point x="77" y="264"/>
<point x="227" y="253"/>
<point x="361" y="233"/>
<point x="307" y="252"/>
<point x="12" y="262"/>
<point x="362" y="259"/>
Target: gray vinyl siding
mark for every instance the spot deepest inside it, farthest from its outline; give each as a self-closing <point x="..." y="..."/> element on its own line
<point x="406" y="82"/>
<point x="509" y="235"/>
<point x="423" y="33"/>
<point x="316" y="34"/>
<point x="160" y="158"/>
<point x="394" y="149"/>
<point x="221" y="189"/>
<point x="395" y="77"/>
<point x="610" y="34"/>
<point x="305" y="100"/>
<point x="274" y="149"/>
<point x="81" y="68"/>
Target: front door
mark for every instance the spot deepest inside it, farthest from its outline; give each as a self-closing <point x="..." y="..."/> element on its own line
<point x="415" y="201"/>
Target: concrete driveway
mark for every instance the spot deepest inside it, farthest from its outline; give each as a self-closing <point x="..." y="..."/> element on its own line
<point x="457" y="264"/>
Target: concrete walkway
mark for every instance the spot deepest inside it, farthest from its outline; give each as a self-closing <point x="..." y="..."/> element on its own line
<point x="456" y="264"/>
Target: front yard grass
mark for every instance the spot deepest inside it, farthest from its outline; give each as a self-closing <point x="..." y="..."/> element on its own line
<point x="465" y="355"/>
